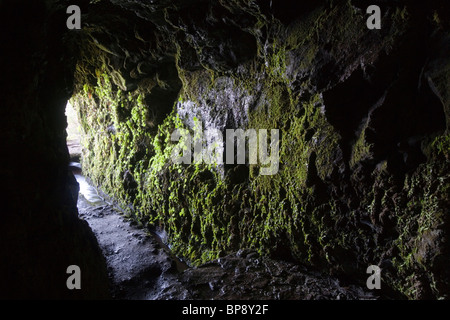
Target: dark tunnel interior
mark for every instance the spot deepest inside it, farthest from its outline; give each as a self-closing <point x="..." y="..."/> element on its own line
<point x="355" y="172"/>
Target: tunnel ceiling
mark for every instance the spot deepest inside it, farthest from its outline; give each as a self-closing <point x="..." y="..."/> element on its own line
<point x="362" y="170"/>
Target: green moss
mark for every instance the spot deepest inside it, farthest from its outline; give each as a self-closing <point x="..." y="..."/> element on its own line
<point x="361" y="150"/>
<point x="442" y="145"/>
<point x="311" y="210"/>
<point x="418" y="222"/>
<point x="203" y="214"/>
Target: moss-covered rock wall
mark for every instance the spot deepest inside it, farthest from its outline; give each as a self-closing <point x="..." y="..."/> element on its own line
<point x="363" y="118"/>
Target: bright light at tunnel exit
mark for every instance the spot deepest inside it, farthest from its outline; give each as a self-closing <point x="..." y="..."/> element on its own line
<point x="73" y="132"/>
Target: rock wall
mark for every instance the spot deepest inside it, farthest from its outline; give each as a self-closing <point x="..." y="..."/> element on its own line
<point x="41" y="235"/>
<point x="363" y="117"/>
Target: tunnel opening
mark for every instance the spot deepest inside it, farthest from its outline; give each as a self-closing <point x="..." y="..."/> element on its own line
<point x="73" y="133"/>
<point x="137" y="258"/>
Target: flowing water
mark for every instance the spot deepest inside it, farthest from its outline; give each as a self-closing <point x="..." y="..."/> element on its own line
<point x="87" y="191"/>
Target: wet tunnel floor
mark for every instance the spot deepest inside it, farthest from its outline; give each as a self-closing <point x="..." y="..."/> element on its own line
<point x="139" y="267"/>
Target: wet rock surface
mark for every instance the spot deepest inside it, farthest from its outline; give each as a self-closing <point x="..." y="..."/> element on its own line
<point x="245" y="275"/>
<point x="134" y="259"/>
<point x="140" y="268"/>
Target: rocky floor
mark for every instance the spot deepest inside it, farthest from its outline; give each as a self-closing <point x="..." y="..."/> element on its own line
<point x="140" y="267"/>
